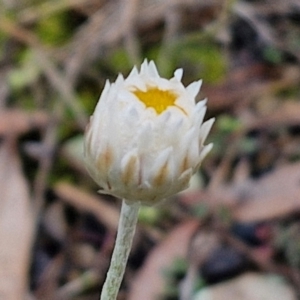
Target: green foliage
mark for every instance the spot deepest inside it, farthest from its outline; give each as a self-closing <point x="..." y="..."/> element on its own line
<point x="273" y="55"/>
<point x="224" y="127"/>
<point x="201" y="211"/>
<point x="199" y="284"/>
<point x="224" y="215"/>
<point x="149" y="215"/>
<point x="26" y="73"/>
<point x="173" y="275"/>
<point x="73" y="148"/>
<point x="54" y="29"/>
<point x="288" y="241"/>
<point x="119" y="61"/>
<point x="248" y="145"/>
<point x="2" y="43"/>
<point x="207" y="59"/>
<point x="89" y="97"/>
<point x="201" y="58"/>
<point x="228" y="124"/>
<point x="177" y="269"/>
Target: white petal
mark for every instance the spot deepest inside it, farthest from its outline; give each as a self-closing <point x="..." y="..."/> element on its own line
<point x="178" y="74"/>
<point x="130" y="165"/>
<point x="145" y="136"/>
<point x="105" y="192"/>
<point x="104" y="93"/>
<point x="203" y="153"/>
<point x="184" y="180"/>
<point x="188" y="141"/>
<point x="136" y="83"/>
<point x="133" y="73"/>
<point x="164" y="117"/>
<point x="152" y="70"/>
<point x="119" y="80"/>
<point x="171" y="167"/>
<point x="132" y="113"/>
<point x="194" y="88"/>
<point x="177" y="124"/>
<point x="193" y="152"/>
<point x="199" y="114"/>
<point x="126" y="97"/>
<point x="160" y="162"/>
<point x="145" y="185"/>
<point x="204" y="130"/>
<point x="144" y="67"/>
<point x="201" y="104"/>
<point x="189" y="136"/>
<point x="130" y="117"/>
<point x="188" y="152"/>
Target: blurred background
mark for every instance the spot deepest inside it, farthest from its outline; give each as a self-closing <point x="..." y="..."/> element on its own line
<point x="235" y="234"/>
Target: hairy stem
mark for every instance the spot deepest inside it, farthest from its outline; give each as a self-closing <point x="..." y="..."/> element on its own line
<point x="126" y="230"/>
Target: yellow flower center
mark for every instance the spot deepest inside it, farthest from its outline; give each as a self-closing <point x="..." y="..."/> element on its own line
<point x="156" y="98"/>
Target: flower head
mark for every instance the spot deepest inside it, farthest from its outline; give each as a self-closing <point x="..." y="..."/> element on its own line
<point x="146" y="137"/>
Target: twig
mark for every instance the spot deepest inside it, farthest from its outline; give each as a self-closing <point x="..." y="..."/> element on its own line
<point x="45" y="161"/>
<point x="172" y="18"/>
<point x="84" y="201"/>
<point x="130" y="39"/>
<point x="55" y="77"/>
<point x="46" y="9"/>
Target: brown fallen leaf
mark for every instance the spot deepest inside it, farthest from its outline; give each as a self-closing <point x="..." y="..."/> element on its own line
<point x="287" y="114"/>
<point x="16" y="225"/>
<point x="202" y="245"/>
<point x="93" y="204"/>
<point x="148" y="284"/>
<point x="14" y="121"/>
<point x="245" y="84"/>
<point x="55" y="222"/>
<point x="273" y="196"/>
<point x="250" y="286"/>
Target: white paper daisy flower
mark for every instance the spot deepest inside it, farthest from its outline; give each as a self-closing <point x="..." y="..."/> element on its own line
<point x="146" y="137"/>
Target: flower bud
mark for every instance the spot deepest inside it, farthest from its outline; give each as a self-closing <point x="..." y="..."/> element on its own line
<point x="146" y="137"/>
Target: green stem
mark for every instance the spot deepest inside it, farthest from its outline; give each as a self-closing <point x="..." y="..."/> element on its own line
<point x="126" y="230"/>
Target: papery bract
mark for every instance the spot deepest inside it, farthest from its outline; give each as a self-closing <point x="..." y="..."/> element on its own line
<point x="146" y="137"/>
